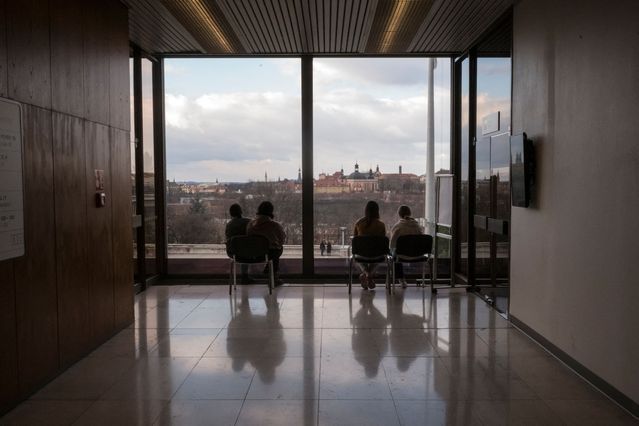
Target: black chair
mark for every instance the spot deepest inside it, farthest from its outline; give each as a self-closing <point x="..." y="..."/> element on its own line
<point x="414" y="249"/>
<point x="368" y="249"/>
<point x="249" y="249"/>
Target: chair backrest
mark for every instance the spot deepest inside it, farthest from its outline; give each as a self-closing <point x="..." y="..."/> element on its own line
<point x="248" y="247"/>
<point x="370" y="246"/>
<point x="414" y="245"/>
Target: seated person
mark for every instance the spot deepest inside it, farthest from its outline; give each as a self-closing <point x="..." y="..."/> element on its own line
<point x="405" y="226"/>
<point x="237" y="226"/>
<point x="369" y="225"/>
<point x="263" y="224"/>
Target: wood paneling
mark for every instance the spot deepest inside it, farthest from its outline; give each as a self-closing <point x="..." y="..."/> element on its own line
<point x="29" y="56"/>
<point x="100" y="238"/>
<point x="71" y="236"/>
<point x="122" y="231"/>
<point x="9" y="352"/>
<point x="67" y="53"/>
<point x="96" y="60"/>
<point x="3" y="51"/>
<point x="35" y="276"/>
<point x="119" y="93"/>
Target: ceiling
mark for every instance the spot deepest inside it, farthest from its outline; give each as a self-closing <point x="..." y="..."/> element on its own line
<point x="320" y="27"/>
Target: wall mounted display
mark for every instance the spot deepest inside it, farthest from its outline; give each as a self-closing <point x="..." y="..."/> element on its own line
<point x="11" y="182"/>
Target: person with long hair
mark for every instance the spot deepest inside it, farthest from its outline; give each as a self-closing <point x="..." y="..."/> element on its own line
<point x="370" y="224"/>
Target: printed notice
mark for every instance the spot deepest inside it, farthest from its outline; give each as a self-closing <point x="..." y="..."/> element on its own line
<point x="11" y="190"/>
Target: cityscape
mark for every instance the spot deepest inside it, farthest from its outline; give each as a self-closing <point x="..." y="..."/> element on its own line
<point x="197" y="212"/>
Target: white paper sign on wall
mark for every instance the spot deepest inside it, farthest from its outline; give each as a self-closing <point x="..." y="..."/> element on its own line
<point x="11" y="183"/>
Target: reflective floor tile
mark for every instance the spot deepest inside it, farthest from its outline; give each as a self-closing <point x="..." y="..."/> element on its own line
<point x="343" y="377"/>
<point x="516" y="412"/>
<point x="288" y="378"/>
<point x="406" y="342"/>
<point x="130" y="413"/>
<point x="458" y="342"/>
<point x="152" y="378"/>
<point x="353" y="342"/>
<point x="485" y="378"/>
<point x="183" y="345"/>
<point x="205" y="318"/>
<point x="217" y="378"/>
<point x="550" y="379"/>
<point x="437" y="413"/>
<point x="278" y="413"/>
<point x="251" y="344"/>
<point x="88" y="379"/>
<point x="131" y="342"/>
<point x="200" y="413"/>
<point x="51" y="413"/>
<point x="510" y="342"/>
<point x="419" y="379"/>
<point x="357" y="413"/>
<point x="592" y="413"/>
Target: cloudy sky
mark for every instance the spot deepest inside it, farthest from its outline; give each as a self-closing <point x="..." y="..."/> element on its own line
<point x="235" y="119"/>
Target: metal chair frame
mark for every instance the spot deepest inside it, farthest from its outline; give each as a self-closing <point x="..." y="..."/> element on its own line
<point x="425" y="258"/>
<point x="354" y="257"/>
<point x="253" y="260"/>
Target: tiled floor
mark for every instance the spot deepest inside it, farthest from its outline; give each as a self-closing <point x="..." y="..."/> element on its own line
<point x="312" y="355"/>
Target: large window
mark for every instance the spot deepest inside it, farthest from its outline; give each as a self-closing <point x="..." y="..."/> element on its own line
<point x="233" y="135"/>
<point x="370" y="143"/>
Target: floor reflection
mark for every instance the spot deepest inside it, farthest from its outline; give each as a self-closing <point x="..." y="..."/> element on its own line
<point x="311" y="355"/>
<point x="369" y="324"/>
<point x="272" y="337"/>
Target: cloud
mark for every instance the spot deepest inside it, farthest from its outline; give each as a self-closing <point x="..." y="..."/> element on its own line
<point x="237" y="136"/>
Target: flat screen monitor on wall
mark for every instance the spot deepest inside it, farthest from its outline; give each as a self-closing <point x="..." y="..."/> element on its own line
<point x="521" y="170"/>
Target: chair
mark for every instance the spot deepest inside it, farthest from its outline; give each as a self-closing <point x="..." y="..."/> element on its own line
<point x="368" y="249"/>
<point x="249" y="249"/>
<point x="414" y="249"/>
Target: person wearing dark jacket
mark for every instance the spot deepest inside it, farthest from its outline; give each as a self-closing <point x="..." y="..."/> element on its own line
<point x="264" y="225"/>
<point x="237" y="226"/>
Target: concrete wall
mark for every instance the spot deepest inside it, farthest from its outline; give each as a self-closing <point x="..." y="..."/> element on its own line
<point x="66" y="62"/>
<point x="575" y="253"/>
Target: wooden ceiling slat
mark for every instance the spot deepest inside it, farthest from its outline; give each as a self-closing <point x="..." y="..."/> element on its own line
<point x="447" y="23"/>
<point x="427" y="26"/>
<point x="472" y="20"/>
<point x="236" y="19"/>
<point x="284" y="20"/>
<point x="490" y="17"/>
<point x="237" y="28"/>
<point x="267" y="24"/>
<point x="361" y="16"/>
<point x="314" y="26"/>
<point x="263" y="38"/>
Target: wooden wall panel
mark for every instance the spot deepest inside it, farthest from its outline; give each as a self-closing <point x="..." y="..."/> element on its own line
<point x="9" y="351"/>
<point x="67" y="63"/>
<point x="29" y="55"/>
<point x="119" y="102"/>
<point x="122" y="230"/>
<point x="35" y="276"/>
<point x="96" y="60"/>
<point x="3" y="51"/>
<point x="100" y="227"/>
<point x="71" y="236"/>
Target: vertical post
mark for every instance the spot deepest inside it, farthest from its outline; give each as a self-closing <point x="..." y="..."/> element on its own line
<point x="307" y="167"/>
<point x="160" y="166"/>
<point x="472" y="163"/>
<point x="430" y="151"/>
<point x="139" y="164"/>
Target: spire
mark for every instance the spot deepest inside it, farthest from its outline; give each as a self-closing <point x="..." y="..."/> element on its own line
<point x="356" y="167"/>
<point x="299" y="174"/>
<point x="265" y="176"/>
<point x="377" y="169"/>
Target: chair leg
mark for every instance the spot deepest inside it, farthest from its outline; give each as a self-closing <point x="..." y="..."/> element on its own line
<point x="231" y="276"/>
<point x="350" y="275"/>
<point x="433" y="290"/>
<point x="271" y="282"/>
<point x="387" y="276"/>
<point x="423" y="282"/>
